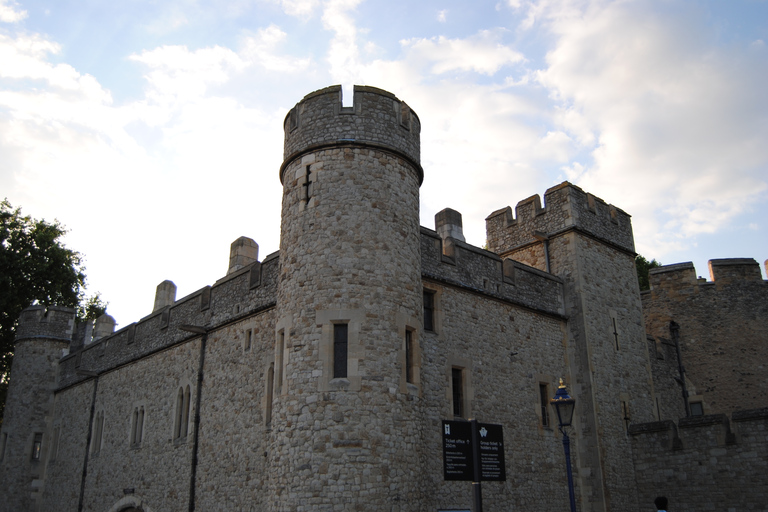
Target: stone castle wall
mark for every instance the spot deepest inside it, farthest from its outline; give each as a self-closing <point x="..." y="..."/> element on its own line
<point x="233" y="457"/>
<point x="506" y="351"/>
<point x="158" y="468"/>
<point x="556" y="296"/>
<point x="704" y="463"/>
<point x="723" y="325"/>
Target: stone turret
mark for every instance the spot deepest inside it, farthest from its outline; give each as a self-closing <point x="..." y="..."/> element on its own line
<point x="348" y="294"/>
<point x="41" y="336"/>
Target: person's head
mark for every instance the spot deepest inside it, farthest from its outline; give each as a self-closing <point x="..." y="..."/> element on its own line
<point x="661" y="503"/>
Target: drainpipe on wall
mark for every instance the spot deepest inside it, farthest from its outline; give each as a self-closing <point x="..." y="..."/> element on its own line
<point x="674" y="329"/>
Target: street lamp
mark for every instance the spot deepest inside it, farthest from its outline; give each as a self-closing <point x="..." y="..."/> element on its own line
<point x="564" y="405"/>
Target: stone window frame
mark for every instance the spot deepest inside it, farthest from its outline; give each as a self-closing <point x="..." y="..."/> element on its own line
<point x="247" y="340"/>
<point x="549" y="381"/>
<point x="182" y="412"/>
<point x="408" y="324"/>
<point x="137" y="424"/>
<point x="437" y="310"/>
<point x="465" y="365"/>
<point x="269" y="393"/>
<point x="697" y="399"/>
<point x="36" y="454"/>
<point x="325" y="319"/>
<point x="308" y="162"/>
<point x="282" y="355"/>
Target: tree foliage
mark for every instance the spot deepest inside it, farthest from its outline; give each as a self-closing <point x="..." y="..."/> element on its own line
<point x="644" y="271"/>
<point x="36" y="267"/>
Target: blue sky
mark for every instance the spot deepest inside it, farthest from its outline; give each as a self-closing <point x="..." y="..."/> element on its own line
<point x="153" y="130"/>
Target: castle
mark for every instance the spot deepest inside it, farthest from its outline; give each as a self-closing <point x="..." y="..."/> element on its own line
<point x="317" y="378"/>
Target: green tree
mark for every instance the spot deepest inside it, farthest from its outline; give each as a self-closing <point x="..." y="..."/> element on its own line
<point x="35" y="266"/>
<point x="644" y="271"/>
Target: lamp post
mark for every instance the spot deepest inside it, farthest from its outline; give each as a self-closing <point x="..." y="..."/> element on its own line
<point x="564" y="405"/>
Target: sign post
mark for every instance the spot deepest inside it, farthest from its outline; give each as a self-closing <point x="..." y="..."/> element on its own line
<point x="474" y="452"/>
<point x="477" y="491"/>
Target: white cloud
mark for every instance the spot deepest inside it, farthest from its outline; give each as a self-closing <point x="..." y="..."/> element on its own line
<point x="481" y="53"/>
<point x="10" y="13"/>
<point x="261" y="50"/>
<point x="176" y="71"/>
<point x="299" y="8"/>
<point x="441" y="15"/>
<point x="24" y="58"/>
<point x="669" y="119"/>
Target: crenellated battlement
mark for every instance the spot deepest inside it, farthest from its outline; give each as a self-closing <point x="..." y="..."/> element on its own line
<point x="457" y="263"/>
<point x="55" y="322"/>
<point x="734" y="270"/>
<point x="376" y="119"/>
<point x="566" y="207"/>
<point x="682" y="278"/>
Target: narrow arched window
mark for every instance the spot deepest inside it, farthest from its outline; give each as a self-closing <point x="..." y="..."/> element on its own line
<point x="181" y="424"/>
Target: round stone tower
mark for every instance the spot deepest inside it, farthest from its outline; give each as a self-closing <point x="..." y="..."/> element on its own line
<point x="345" y="418"/>
<point x="26" y="438"/>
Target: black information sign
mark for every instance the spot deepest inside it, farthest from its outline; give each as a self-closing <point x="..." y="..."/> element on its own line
<point x="491" y="440"/>
<point x="457" y="450"/>
<point x="458" y="454"/>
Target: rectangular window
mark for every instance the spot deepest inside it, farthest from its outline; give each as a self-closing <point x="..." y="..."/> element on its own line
<point x="37" y="446"/>
<point x="248" y="339"/>
<point x="3" y="441"/>
<point x="409" y="357"/>
<point x="697" y="409"/>
<point x="544" y="404"/>
<point x="457" y="382"/>
<point x="340" y="350"/>
<point x="429" y="311"/>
